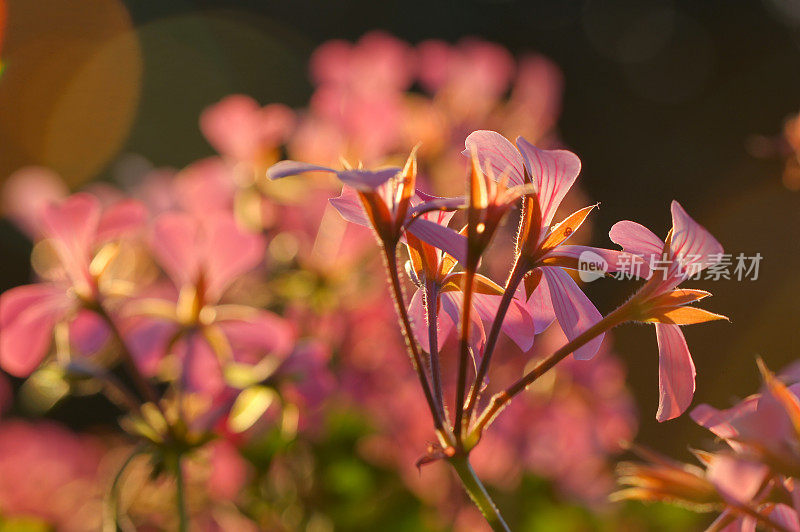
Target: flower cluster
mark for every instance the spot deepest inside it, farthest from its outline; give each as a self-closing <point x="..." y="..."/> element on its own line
<point x="213" y="303"/>
<point x="751" y="478"/>
<point x="452" y="296"/>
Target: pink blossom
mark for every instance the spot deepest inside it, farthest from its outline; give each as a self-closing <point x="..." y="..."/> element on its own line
<point x="690" y="247"/>
<point x="28" y="314"/>
<point x="241" y="130"/>
<point x="552" y="173"/>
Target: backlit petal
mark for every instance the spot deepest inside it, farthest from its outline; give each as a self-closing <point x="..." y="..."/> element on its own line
<point x="573" y="310"/>
<point x="691" y="242"/>
<point x="498" y="153"/>
<point x="675" y="372"/>
<point x="553" y="172"/>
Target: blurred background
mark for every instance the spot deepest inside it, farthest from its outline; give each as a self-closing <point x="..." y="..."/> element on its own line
<point x="661" y="100"/>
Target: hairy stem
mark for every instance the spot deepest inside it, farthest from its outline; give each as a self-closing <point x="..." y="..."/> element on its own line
<point x="516" y="276"/>
<point x="477" y="492"/>
<point x="416" y="359"/>
<point x="464" y="353"/>
<point x="501" y="399"/>
<point x="432" y="304"/>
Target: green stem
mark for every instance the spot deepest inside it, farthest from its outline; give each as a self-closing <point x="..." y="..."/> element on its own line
<point x="477" y="492"/>
<point x="180" y="496"/>
<point x="111" y="514"/>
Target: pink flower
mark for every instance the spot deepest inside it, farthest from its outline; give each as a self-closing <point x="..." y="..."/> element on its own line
<point x="203" y="256"/>
<point x="431" y="264"/>
<point x="689" y="248"/>
<point x="552" y="173"/>
<point x="239" y="129"/>
<point x="74" y="230"/>
<point x="385" y="200"/>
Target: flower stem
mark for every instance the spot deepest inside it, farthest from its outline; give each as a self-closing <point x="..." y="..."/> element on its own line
<point x="416" y="359"/>
<point x="501" y="399"/>
<point x="516" y="276"/>
<point x="466" y="309"/>
<point x="477" y="492"/>
<point x="432" y="303"/>
<point x="180" y="496"/>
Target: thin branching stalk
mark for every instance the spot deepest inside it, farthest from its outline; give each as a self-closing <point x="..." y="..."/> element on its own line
<point x="516" y="277"/>
<point x="501" y="399"/>
<point x="464" y="354"/>
<point x="431" y="304"/>
<point x="416" y="359"/>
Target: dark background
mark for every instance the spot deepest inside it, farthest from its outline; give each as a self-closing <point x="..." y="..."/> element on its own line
<point x="661" y="101"/>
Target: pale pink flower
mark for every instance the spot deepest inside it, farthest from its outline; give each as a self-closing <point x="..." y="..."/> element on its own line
<point x="689" y="248"/>
<point x="552" y="173"/>
<point x="74" y="229"/>
<point x="241" y="130"/>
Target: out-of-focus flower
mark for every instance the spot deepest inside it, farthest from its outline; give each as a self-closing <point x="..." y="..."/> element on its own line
<point x="50" y="473"/>
<point x="689" y="249"/>
<point x="76" y="252"/>
<point x="244" y="132"/>
<point x="203" y="256"/>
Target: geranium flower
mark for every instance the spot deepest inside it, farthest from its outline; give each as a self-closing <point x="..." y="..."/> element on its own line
<point x="202" y="257"/>
<point x="541" y="247"/>
<point x="386" y="200"/>
<point x="244" y="132"/>
<point x="431" y="264"/>
<point x="74" y="231"/>
<point x="689" y="248"/>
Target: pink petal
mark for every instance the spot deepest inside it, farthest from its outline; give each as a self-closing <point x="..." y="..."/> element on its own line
<point x="573" y="310"/>
<point x="786" y="516"/>
<point x="553" y="171"/>
<point x="239" y="128"/>
<point x="175" y="246"/>
<point x="27" y="192"/>
<point x="540" y="305"/>
<point x="72" y="225"/>
<point x="201" y="368"/>
<point x="88" y="333"/>
<point x="450" y="319"/>
<point x="616" y="261"/>
<point x="121" y="219"/>
<point x="721" y="422"/>
<point x="518" y="324"/>
<point x="205" y="186"/>
<point x="350" y="207"/>
<point x="148" y="339"/>
<point x="283" y="169"/>
<point x="737" y="480"/>
<point x="366" y="180"/>
<point x="229" y="471"/>
<point x="637" y="239"/>
<point x="27" y="316"/>
<point x="440" y="237"/>
<point x="675" y="372"/>
<point x="496" y="152"/>
<point x="229" y="252"/>
<point x="265" y="334"/>
<point x="691" y="243"/>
